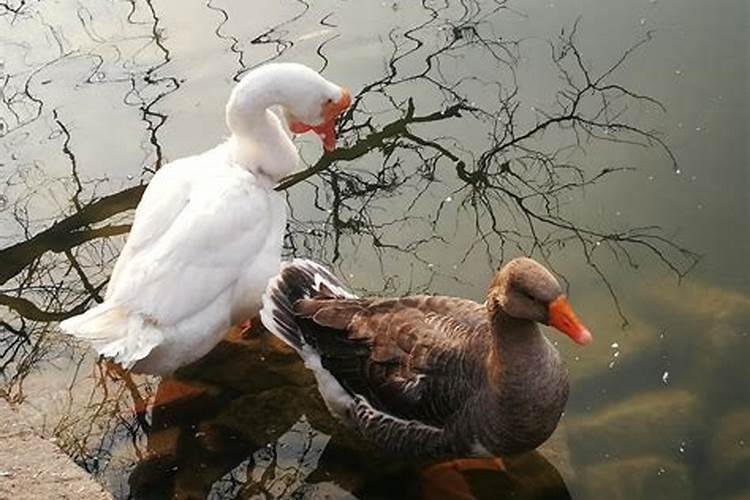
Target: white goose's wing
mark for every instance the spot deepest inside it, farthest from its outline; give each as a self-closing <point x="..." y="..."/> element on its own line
<point x="165" y="197"/>
<point x="197" y="227"/>
<point x="189" y="241"/>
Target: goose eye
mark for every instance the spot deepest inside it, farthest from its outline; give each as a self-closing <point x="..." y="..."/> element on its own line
<point x="329" y="100"/>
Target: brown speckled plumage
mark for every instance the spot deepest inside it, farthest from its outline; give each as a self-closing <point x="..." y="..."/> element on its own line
<point x="427" y="375"/>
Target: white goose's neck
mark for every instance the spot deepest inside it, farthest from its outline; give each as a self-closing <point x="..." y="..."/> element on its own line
<point x="264" y="149"/>
<point x="260" y="142"/>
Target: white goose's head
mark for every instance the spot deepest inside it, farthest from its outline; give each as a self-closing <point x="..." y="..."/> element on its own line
<point x="310" y="102"/>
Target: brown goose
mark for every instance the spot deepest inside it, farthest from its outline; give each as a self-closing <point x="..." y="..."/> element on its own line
<point x="432" y="376"/>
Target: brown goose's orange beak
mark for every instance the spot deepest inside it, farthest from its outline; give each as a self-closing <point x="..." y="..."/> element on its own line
<point x="561" y="316"/>
<point x="326" y="130"/>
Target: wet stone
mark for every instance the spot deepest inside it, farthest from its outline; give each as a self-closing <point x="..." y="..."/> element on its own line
<point x="32" y="467"/>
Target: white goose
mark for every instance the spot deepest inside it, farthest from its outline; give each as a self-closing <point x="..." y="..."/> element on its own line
<point x="207" y="234"/>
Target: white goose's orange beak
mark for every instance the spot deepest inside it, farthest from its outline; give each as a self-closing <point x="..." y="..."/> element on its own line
<point x="562" y="317"/>
<point x="326" y="130"/>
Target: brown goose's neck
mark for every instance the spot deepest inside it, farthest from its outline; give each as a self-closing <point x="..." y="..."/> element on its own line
<point x="517" y="344"/>
<point x="527" y="388"/>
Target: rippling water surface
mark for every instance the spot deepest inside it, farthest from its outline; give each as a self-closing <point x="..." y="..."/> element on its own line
<point x="607" y="139"/>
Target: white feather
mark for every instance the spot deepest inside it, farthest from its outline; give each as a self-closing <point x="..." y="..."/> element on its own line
<point x="335" y="397"/>
<point x="197" y="259"/>
<point x="333" y="287"/>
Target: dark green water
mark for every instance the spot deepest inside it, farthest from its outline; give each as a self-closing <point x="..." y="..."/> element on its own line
<point x="483" y="130"/>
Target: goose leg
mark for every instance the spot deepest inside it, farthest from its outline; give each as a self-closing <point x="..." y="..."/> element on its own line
<point x="246" y="326"/>
<point x="115" y="371"/>
<point x="251" y="326"/>
<point x="447" y="479"/>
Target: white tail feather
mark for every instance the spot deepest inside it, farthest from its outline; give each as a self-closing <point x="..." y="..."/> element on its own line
<point x="298" y="279"/>
<point x="114" y="333"/>
<point x="303" y="279"/>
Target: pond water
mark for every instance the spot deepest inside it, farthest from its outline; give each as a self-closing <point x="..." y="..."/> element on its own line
<point x="607" y="139"/>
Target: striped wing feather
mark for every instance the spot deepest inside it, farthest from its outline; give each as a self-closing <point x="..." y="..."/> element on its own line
<point x="413" y="358"/>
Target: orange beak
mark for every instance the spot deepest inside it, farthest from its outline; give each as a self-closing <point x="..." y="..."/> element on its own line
<point x="326" y="130"/>
<point x="561" y="316"/>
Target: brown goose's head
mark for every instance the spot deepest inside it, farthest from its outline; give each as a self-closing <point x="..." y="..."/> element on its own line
<point x="524" y="289"/>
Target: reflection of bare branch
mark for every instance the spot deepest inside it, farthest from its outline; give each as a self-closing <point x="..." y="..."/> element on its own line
<point x="68" y="232"/>
<point x="156" y="119"/>
<point x="274" y="36"/>
<point x="29" y="310"/>
<point x="397" y="128"/>
<point x="92" y="291"/>
<point x="514" y="172"/>
<point x="72" y="158"/>
<point x="96" y="418"/>
<point x="234" y="47"/>
<point x="434" y="157"/>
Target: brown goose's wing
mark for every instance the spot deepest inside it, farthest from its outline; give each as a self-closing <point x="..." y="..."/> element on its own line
<point x="414" y="358"/>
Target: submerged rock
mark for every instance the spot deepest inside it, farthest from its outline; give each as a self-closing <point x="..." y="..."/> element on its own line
<point x="729" y="453"/>
<point x="618" y="359"/>
<point x="249" y="364"/>
<point x="261" y="418"/>
<point x="641" y="478"/>
<point x="696" y="300"/>
<point x="656" y="421"/>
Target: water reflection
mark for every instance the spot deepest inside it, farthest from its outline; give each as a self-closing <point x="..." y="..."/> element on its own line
<point x="454" y="153"/>
<point x="247" y="422"/>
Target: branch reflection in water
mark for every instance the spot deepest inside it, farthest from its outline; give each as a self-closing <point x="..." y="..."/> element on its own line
<point x="442" y="153"/>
